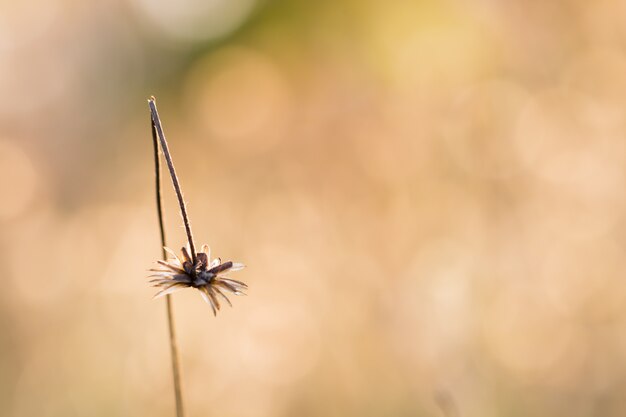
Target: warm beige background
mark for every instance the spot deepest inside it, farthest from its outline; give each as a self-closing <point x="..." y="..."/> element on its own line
<point x="429" y="195"/>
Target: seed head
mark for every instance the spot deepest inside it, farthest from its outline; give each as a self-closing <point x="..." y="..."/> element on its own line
<point x="208" y="277"/>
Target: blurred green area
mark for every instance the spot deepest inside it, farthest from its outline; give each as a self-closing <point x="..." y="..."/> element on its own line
<point x="429" y="196"/>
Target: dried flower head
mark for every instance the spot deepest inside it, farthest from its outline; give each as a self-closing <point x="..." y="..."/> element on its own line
<point x="210" y="278"/>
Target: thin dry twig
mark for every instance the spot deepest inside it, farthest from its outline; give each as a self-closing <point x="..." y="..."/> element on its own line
<point x="168" y="299"/>
<point x="156" y="122"/>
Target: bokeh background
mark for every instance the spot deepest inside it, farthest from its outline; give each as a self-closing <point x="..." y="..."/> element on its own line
<point x="429" y="196"/>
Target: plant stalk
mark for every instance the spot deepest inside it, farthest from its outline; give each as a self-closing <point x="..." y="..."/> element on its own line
<point x="168" y="299"/>
<point x="156" y="123"/>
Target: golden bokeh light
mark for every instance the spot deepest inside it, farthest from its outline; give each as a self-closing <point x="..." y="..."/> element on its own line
<point x="429" y="198"/>
<point x="240" y="98"/>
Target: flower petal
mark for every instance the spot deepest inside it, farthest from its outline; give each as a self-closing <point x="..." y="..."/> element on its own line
<point x="201" y="261"/>
<point x="186" y="256"/>
<point x="184" y="278"/>
<point x="221" y="267"/>
<point x="205" y="296"/>
<point x="169" y="290"/>
<point x="159" y="281"/>
<point x="234" y="282"/>
<point x="229" y="287"/>
<point x="170" y="266"/>
<point x="213" y="297"/>
<point x="159" y="270"/>
<point x="172" y="253"/>
<point x="162" y="274"/>
<point x="217" y="290"/>
<point x="237" y="266"/>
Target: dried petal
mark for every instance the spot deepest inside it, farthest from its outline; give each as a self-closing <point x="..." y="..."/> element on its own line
<point x="222" y="267"/>
<point x="204" y="295"/>
<point x="229" y="287"/>
<point x="201" y="261"/>
<point x="186" y="256"/>
<point x="170" y="266"/>
<point x="169" y="290"/>
<point x="208" y="299"/>
<point x="213" y="297"/>
<point x="235" y="282"/>
<point x="217" y="290"/>
<point x="236" y="267"/>
<point x="171" y="252"/>
<point x="161" y="274"/>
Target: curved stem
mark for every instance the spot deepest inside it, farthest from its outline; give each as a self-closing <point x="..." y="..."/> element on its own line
<point x="178" y="392"/>
<point x="168" y="299"/>
<point x="156" y="122"/>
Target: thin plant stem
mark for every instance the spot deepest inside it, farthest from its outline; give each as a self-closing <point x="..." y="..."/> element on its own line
<point x="156" y="122"/>
<point x="168" y="299"/>
<point x="157" y="177"/>
<point x="178" y="390"/>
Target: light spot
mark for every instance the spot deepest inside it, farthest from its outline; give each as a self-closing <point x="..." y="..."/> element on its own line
<point x="26" y="21"/>
<point x="239" y="97"/>
<point x="187" y="20"/>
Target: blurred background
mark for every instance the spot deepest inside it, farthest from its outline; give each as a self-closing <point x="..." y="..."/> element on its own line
<point x="429" y="196"/>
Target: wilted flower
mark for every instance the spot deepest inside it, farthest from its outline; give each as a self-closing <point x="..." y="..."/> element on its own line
<point x="210" y="278"/>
